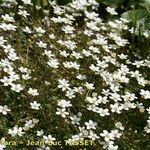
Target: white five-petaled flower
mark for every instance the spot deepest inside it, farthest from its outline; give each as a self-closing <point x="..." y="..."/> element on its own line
<point x="41" y="44"/>
<point x="63" y="103"/>
<point x="27" y="2"/>
<point x="89" y="86"/>
<point x="4" y="109"/>
<point x="40" y="133"/>
<point x="23" y="13"/>
<point x="145" y="94"/>
<point x="53" y="63"/>
<point x="16" y="87"/>
<point x="16" y="131"/>
<point x="90" y="125"/>
<point x="8" y="18"/>
<point x="35" y="105"/>
<point x="40" y="30"/>
<point x="111" y="11"/>
<point x="107" y="136"/>
<point x="49" y="138"/>
<point x="33" y="92"/>
<point x="62" y="112"/>
<point x="75" y="119"/>
<point x="63" y="84"/>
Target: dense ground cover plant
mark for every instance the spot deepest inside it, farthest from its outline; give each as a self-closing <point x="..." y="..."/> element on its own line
<point x="70" y="75"/>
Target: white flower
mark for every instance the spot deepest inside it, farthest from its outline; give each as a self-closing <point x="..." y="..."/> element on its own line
<point x="26" y="76"/>
<point x="41" y="44"/>
<point x="116" y="108"/>
<point x="7" y="81"/>
<point x="23" y="13"/>
<point x="93" y="135"/>
<point x="2" y="41"/>
<point x="103" y="112"/>
<point x="2" y="143"/>
<point x="23" y="70"/>
<point x="16" y="131"/>
<point x="62" y="112"/>
<point x="40" y="133"/>
<point x="28" y="124"/>
<point x="90" y="125"/>
<point x="49" y="138"/>
<point x="33" y="92"/>
<point x="145" y="94"/>
<point x="14" y="77"/>
<point x="111" y="10"/>
<point x="148" y="110"/>
<point x="53" y="63"/>
<point x="89" y="86"/>
<point x="107" y="136"/>
<point x="8" y="18"/>
<point x="76" y="55"/>
<point x="116" y="133"/>
<point x="4" y="109"/>
<point x="68" y="29"/>
<point x="63" y="103"/>
<point x="48" y="53"/>
<point x="8" y="49"/>
<point x="52" y="36"/>
<point x="81" y="77"/>
<point x="40" y="30"/>
<point x="27" y="2"/>
<point x="116" y="97"/>
<point x="8" y="27"/>
<point x="75" y="119"/>
<point x="13" y="56"/>
<point x="63" y="84"/>
<point x="102" y="64"/>
<point x="27" y="30"/>
<point x="92" y="100"/>
<point x="119" y="125"/>
<point x="16" y="87"/>
<point x="64" y="53"/>
<point x="35" y="105"/>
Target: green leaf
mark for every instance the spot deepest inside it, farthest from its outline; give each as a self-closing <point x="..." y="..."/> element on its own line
<point x="134" y="15"/>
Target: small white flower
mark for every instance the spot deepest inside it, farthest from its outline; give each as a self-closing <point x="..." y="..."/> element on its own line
<point x="89" y="86"/>
<point x="145" y="94"/>
<point x="7" y="81"/>
<point x="16" y="131"/>
<point x="33" y="92"/>
<point x="23" y="13"/>
<point x="49" y="138"/>
<point x="116" y="108"/>
<point x="40" y="133"/>
<point x="90" y="125"/>
<point x="27" y="2"/>
<point x="40" y="30"/>
<point x="2" y="143"/>
<point x="27" y="30"/>
<point x="16" y="87"/>
<point x="62" y="112"/>
<point x="111" y="11"/>
<point x="35" y="105"/>
<point x="63" y="103"/>
<point x="119" y="125"/>
<point x="63" y="84"/>
<point x="107" y="136"/>
<point x="8" y="18"/>
<point x="41" y="44"/>
<point x="4" y="109"/>
<point x="75" y="119"/>
<point x="53" y="63"/>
